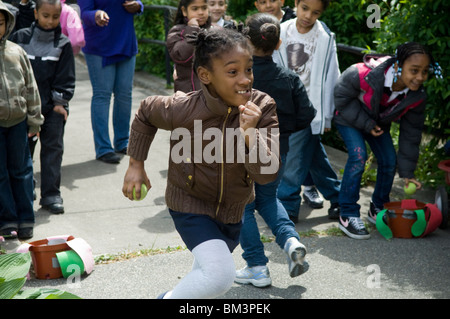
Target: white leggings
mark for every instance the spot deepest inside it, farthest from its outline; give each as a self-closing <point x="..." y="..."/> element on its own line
<point x="212" y="273"/>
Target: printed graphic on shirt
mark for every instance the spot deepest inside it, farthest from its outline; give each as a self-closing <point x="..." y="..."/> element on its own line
<point x="300" y="51"/>
<point x="297" y="58"/>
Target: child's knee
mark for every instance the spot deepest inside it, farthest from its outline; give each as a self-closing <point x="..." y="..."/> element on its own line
<point x="217" y="267"/>
<point x="221" y="277"/>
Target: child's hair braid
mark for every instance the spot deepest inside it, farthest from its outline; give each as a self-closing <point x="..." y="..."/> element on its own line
<point x="211" y="43"/>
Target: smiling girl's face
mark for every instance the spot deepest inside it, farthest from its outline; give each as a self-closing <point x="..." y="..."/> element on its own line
<point x="415" y="71"/>
<point x="231" y="76"/>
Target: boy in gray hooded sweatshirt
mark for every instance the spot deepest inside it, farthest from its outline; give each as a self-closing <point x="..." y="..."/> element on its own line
<point x="20" y="117"/>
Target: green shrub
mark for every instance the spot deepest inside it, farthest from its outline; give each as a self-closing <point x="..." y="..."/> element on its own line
<point x="150" y="25"/>
<point x="425" y="22"/>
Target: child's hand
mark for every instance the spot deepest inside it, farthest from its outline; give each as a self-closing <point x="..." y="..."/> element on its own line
<point x="250" y="114"/>
<point x="134" y="178"/>
<point x="61" y="110"/>
<point x="414" y="181"/>
<point x="248" y="119"/>
<point x="101" y="18"/>
<point x="376" y="131"/>
<point x="132" y="6"/>
<point x="193" y="22"/>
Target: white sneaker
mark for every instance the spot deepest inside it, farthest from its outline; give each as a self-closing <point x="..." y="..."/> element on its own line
<point x="258" y="276"/>
<point x="312" y="197"/>
<point x="296" y="253"/>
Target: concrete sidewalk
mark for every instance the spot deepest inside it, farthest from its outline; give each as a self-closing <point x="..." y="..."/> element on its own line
<point x="96" y="211"/>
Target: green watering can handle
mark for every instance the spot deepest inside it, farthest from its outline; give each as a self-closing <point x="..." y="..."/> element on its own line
<point x="420" y="225"/>
<point x="383" y="229"/>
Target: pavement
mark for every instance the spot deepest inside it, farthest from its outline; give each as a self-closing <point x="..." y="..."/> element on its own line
<point x="96" y="210"/>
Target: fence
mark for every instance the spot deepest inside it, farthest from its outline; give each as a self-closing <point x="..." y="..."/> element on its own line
<point x="167" y="25"/>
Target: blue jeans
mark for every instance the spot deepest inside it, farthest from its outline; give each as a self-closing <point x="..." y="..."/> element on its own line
<point x="16" y="178"/>
<point x="384" y="151"/>
<point x="275" y="216"/>
<point x="114" y="79"/>
<point x="306" y="155"/>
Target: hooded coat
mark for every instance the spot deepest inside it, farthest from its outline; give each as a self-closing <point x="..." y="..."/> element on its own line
<point x="19" y="94"/>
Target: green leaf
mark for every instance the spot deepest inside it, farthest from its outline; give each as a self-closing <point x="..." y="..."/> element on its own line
<point x="15" y="265"/>
<point x="45" y="293"/>
<point x="10" y="288"/>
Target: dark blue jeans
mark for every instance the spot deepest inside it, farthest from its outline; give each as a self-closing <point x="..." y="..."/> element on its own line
<point x="16" y="178"/>
<point x="384" y="151"/>
<point x="274" y="214"/>
<point x="306" y="156"/>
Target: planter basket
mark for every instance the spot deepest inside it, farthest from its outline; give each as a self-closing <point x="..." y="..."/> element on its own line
<point x="45" y="261"/>
<point x="59" y="256"/>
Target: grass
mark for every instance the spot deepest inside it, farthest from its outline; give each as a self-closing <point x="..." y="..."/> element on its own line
<point x="110" y="258"/>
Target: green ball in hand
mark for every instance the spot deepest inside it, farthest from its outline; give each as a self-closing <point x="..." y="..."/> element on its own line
<point x="143" y="192"/>
<point x="410" y="189"/>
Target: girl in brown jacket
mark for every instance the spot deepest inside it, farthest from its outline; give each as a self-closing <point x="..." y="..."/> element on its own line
<point x="224" y="138"/>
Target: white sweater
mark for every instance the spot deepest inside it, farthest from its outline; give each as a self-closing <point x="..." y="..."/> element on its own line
<point x="324" y="73"/>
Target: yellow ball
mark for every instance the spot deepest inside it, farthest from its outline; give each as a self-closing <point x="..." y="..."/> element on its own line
<point x="143" y="192"/>
<point x="411" y="189"/>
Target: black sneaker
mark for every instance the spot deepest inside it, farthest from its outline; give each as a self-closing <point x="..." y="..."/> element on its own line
<point x="353" y="227"/>
<point x="334" y="211"/>
<point x="312" y="197"/>
<point x="372" y="214"/>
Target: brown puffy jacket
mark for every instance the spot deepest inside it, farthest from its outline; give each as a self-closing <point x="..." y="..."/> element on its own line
<point x="182" y="54"/>
<point x="206" y="174"/>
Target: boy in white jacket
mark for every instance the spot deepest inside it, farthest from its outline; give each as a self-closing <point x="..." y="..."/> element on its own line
<point x="309" y="48"/>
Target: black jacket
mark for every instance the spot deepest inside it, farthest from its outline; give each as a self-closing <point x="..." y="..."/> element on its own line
<point x="294" y="109"/>
<point x="51" y="57"/>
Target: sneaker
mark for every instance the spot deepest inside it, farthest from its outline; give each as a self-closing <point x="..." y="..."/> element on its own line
<point x="372" y="214"/>
<point x="353" y="227"/>
<point x="334" y="211"/>
<point x="312" y="197"/>
<point x="296" y="252"/>
<point x="258" y="276"/>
